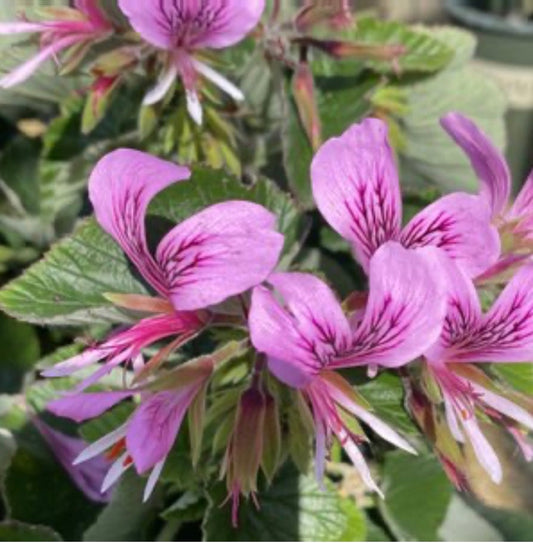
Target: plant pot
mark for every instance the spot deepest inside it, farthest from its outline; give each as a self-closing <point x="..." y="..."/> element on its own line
<point x="505" y="52"/>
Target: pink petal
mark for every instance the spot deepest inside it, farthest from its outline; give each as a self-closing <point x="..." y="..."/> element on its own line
<point x="463" y="313"/>
<point x="460" y="225"/>
<point x="523" y="204"/>
<point x="355" y="186"/>
<point x="503" y="405"/>
<point x="302" y="332"/>
<point x="219" y="252"/>
<point x="170" y="24"/>
<point x="92" y="10"/>
<point x="405" y="308"/>
<point x="88" y="478"/>
<point x="120" y="188"/>
<point x="20" y="27"/>
<point x="487" y="161"/>
<point x="80" y="407"/>
<point x="506" y="332"/>
<point x="155" y="424"/>
<point x="28" y="68"/>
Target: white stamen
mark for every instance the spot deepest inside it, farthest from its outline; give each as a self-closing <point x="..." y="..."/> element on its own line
<point x="219" y="80"/>
<point x="483" y="450"/>
<point x="104" y="443"/>
<point x="152" y="480"/>
<point x="158" y="92"/>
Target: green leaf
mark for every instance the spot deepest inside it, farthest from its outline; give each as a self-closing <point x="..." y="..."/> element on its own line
<point x="417" y="495"/>
<point x="341" y="101"/>
<point x="11" y="530"/>
<point x="519" y="376"/>
<point x="189" y="507"/>
<point x="20" y="352"/>
<point x="463" y="524"/>
<point x="293" y="508"/>
<point x="429" y="155"/>
<point x="126" y="518"/>
<point x="66" y="287"/>
<point x="423" y="52"/>
<point x="39" y="491"/>
<point x="385" y="394"/>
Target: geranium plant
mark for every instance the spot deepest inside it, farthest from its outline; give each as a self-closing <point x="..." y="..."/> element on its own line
<point x="264" y="277"/>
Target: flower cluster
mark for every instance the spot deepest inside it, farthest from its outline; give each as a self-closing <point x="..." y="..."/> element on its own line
<point x="420" y="313"/>
<point x="174" y="35"/>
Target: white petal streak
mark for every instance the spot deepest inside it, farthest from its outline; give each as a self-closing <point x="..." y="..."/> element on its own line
<point x="104" y="443"/>
<point x="219" y="80"/>
<point x="194" y="107"/>
<point x="152" y="480"/>
<point x="115" y="471"/>
<point x="158" y="92"/>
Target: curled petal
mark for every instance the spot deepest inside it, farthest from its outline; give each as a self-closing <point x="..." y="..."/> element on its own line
<point x="170" y="24"/>
<point x="459" y="224"/>
<point x="120" y="188"/>
<point x="219" y="252"/>
<point x="405" y="309"/>
<point x="302" y="331"/>
<point x="487" y="161"/>
<point x="355" y="186"/>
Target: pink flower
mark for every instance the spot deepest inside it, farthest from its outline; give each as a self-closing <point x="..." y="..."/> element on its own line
<point x="515" y="221"/>
<point x="301" y="327"/>
<point x="180" y="28"/>
<point x="221" y="251"/>
<point x="75" y="29"/>
<point x="355" y="186"/>
<point x="146" y="438"/>
<point x="502" y="335"/>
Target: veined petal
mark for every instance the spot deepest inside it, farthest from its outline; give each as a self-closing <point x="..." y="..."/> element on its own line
<point x="487" y="161"/>
<point x="459" y="224"/>
<point x="463" y="313"/>
<point x="505" y="333"/>
<point x="303" y="331"/>
<point x="120" y="188"/>
<point x="405" y="308"/>
<point x="221" y="251"/>
<point x="154" y="426"/>
<point x="355" y="186"/>
<point x="28" y="68"/>
<point x="165" y="81"/>
<point x="170" y="24"/>
<point x="219" y="80"/>
<point x="80" y="407"/>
